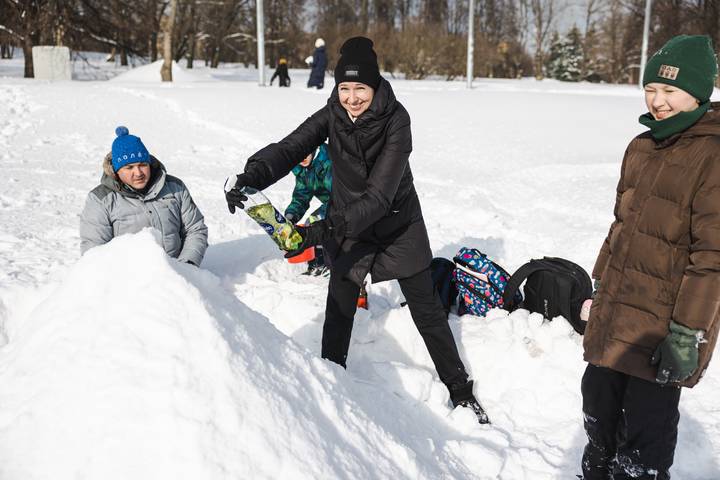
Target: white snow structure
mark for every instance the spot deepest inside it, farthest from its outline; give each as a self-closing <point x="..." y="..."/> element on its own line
<point x="51" y="63"/>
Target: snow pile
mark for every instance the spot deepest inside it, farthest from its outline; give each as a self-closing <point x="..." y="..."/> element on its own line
<point x="136" y="366"/>
<point x="139" y="367"/>
<point x="151" y="74"/>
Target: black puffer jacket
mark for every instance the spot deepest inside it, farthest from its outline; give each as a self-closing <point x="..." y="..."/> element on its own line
<point x="373" y="198"/>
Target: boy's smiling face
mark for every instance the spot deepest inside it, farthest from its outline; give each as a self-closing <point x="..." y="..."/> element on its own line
<point x="663" y="101"/>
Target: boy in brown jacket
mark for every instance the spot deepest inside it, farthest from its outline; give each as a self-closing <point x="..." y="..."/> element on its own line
<point x="654" y="320"/>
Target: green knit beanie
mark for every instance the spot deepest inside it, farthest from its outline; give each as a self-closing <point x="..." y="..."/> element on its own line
<point x="687" y="62"/>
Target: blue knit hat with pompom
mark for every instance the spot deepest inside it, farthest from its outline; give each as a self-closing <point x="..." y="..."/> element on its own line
<point x="127" y="149"/>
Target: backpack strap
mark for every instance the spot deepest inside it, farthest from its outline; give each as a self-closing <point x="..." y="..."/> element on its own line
<point x="517" y="279"/>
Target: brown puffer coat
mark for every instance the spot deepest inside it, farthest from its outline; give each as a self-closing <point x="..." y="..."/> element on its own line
<point x="661" y="258"/>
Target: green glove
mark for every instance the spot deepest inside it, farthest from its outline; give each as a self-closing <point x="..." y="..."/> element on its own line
<point x="677" y="355"/>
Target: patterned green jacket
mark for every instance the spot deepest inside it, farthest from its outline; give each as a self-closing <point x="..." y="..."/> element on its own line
<point x="315" y="180"/>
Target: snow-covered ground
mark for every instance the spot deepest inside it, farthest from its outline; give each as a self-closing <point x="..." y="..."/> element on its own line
<point x="126" y="364"/>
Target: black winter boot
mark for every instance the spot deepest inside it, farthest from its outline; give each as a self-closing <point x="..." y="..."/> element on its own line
<point x="312" y="267"/>
<point x="461" y="396"/>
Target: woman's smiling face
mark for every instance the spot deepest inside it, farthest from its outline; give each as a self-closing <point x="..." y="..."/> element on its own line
<point x="355" y="97"/>
<point x="663" y="100"/>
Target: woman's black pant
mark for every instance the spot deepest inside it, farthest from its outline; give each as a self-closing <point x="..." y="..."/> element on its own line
<point x="427" y="313"/>
<point x="631" y="425"/>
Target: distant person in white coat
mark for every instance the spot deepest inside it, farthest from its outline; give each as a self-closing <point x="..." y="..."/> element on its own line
<point x="319" y="64"/>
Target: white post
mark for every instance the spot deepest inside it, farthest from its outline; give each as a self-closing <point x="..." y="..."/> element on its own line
<point x="261" y="43"/>
<point x="471" y="42"/>
<point x="646" y="34"/>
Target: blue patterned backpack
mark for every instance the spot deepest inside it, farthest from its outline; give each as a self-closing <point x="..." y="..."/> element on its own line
<point x="480" y="282"/>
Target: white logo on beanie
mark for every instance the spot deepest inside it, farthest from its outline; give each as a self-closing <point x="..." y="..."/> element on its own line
<point x="352" y="71"/>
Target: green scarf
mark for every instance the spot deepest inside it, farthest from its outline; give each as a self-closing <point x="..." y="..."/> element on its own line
<point x="662" y="129"/>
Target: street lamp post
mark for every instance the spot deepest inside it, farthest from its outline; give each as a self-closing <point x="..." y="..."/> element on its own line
<point x="471" y="42"/>
<point x="261" y="43"/>
<point x="646" y="34"/>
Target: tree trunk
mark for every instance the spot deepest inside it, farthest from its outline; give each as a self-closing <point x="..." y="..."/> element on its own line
<point x="30" y="38"/>
<point x="193" y="37"/>
<point x="191" y="51"/>
<point x="123" y="57"/>
<point x="364" y="17"/>
<point x="27" y="51"/>
<point x="538" y="65"/>
<point x="215" y="58"/>
<point x="166" y="70"/>
<point x="153" y="47"/>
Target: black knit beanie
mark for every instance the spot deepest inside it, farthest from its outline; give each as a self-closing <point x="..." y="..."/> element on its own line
<point x="358" y="63"/>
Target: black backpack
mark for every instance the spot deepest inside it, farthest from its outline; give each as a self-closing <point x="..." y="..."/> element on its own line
<point x="441" y="271"/>
<point x="554" y="286"/>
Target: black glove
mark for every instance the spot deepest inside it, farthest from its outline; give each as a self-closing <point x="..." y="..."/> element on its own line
<point x="312" y="235"/>
<point x="234" y="196"/>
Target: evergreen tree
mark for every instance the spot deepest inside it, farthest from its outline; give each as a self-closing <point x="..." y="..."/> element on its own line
<point x="554" y="55"/>
<point x="566" y="57"/>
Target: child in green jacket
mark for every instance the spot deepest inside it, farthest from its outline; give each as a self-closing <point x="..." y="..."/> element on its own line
<point x="313" y="178"/>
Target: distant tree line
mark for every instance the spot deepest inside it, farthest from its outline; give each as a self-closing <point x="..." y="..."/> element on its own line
<point x="417" y="38"/>
<point x="605" y="46"/>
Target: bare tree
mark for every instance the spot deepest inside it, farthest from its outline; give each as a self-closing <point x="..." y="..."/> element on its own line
<point x="593" y="10"/>
<point x="222" y="26"/>
<point x="192" y="34"/>
<point x="166" y="70"/>
<point x="153" y="13"/>
<point x="543" y="17"/>
<point x="22" y="21"/>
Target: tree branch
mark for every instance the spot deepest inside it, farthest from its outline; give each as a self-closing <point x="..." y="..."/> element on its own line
<point x="12" y="32"/>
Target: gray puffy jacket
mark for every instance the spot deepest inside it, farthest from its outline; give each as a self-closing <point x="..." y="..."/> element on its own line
<point x="112" y="209"/>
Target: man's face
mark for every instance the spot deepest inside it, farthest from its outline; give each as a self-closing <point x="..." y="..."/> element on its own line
<point x="355" y="97"/>
<point x="663" y="101"/>
<point x="136" y="175"/>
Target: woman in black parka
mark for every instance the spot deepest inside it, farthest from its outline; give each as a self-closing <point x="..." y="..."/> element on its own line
<point x="374" y="222"/>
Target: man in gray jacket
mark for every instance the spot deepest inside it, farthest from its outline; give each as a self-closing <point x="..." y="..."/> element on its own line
<point x="134" y="193"/>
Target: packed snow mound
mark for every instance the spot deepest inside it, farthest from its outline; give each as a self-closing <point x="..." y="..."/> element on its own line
<point x="137" y="366"/>
<point x="151" y="73"/>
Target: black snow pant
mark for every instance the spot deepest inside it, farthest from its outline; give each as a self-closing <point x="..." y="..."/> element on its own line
<point x="631" y="425"/>
<point x="427" y="313"/>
